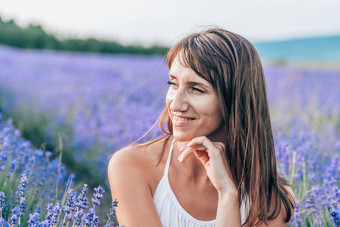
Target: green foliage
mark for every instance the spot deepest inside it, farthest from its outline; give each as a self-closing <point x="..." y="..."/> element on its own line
<point x="34" y="37"/>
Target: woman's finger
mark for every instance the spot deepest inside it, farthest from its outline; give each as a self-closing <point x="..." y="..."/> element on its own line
<point x="185" y="153"/>
<point x="200" y="154"/>
<point x="202" y="147"/>
<point x="212" y="148"/>
<point x="203" y="141"/>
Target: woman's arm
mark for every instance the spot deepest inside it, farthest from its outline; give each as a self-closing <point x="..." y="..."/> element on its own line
<point x="228" y="211"/>
<point x="129" y="185"/>
<point x="212" y="156"/>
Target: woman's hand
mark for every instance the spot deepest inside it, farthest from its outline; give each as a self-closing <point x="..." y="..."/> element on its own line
<point x="212" y="156"/>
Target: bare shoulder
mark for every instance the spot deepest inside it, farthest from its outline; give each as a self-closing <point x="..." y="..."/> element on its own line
<point x="130" y="171"/>
<point x="127" y="163"/>
<point x="290" y="192"/>
<point x="291" y="197"/>
<point x="280" y="220"/>
<point x="128" y="157"/>
<point x="136" y="162"/>
<point x="136" y="157"/>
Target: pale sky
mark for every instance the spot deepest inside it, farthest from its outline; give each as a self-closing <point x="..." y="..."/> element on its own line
<point x="166" y="21"/>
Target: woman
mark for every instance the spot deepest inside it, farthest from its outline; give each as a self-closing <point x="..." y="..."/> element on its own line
<point x="215" y="165"/>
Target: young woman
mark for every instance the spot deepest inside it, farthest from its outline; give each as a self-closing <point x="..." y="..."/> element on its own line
<point x="215" y="164"/>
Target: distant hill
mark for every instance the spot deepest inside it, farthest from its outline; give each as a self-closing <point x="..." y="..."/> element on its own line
<point x="306" y="50"/>
<point x="35" y="37"/>
<point x="313" y="49"/>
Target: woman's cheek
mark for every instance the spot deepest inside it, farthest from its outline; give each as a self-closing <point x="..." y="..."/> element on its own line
<point x="170" y="95"/>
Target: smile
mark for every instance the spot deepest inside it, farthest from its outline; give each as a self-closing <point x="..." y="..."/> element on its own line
<point x="179" y="121"/>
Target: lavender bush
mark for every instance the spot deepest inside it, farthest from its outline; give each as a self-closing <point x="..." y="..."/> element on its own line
<point x="18" y="158"/>
<point x="83" y="98"/>
<point x="310" y="161"/>
<point x="31" y="183"/>
<point x="100" y="103"/>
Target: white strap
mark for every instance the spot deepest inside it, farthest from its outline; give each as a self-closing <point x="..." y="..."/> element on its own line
<point x="166" y="169"/>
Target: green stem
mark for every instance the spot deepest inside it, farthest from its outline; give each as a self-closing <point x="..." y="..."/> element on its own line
<point x="64" y="218"/>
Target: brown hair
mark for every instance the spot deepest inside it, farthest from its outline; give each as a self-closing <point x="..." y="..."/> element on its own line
<point x="233" y="67"/>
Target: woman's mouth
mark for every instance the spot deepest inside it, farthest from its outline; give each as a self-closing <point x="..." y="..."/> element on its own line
<point x="179" y="121"/>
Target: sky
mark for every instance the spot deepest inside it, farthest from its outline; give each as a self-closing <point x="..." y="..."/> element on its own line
<point x="166" y="21"/>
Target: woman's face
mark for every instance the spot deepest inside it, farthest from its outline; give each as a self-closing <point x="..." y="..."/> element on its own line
<point x="192" y="104"/>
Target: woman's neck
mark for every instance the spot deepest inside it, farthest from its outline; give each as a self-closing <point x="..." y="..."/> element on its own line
<point x="192" y="168"/>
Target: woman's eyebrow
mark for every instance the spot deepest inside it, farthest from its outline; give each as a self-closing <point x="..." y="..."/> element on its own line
<point x="193" y="83"/>
<point x="197" y="83"/>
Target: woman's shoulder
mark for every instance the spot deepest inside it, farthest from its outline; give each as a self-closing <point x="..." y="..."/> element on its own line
<point x="137" y="157"/>
<point x="289" y="192"/>
<point x="131" y="172"/>
<point x="286" y="208"/>
<point x="131" y="156"/>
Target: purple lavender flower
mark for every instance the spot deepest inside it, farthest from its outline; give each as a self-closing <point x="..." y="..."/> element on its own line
<point x="77" y="218"/>
<point x="2" y="201"/>
<point x="56" y="212"/>
<point x="23" y="160"/>
<point x="69" y="217"/>
<point x="22" y="206"/>
<point x="22" y="187"/>
<point x="70" y="203"/>
<point x="12" y="165"/>
<point x="112" y="213"/>
<point x="15" y="213"/>
<point x="13" y="219"/>
<point x="34" y="220"/>
<point x="297" y="218"/>
<point x="110" y="224"/>
<point x="82" y="199"/>
<point x="335" y="216"/>
<point x="3" y="159"/>
<point x="97" y="196"/>
<point x="49" y="214"/>
<point x="90" y="219"/>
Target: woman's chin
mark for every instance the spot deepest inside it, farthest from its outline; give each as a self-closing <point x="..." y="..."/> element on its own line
<point x="182" y="138"/>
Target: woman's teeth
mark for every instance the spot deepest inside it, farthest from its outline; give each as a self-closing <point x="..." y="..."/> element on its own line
<point x="182" y="118"/>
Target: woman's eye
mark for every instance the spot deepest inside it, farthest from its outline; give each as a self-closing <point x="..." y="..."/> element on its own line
<point x="171" y="83"/>
<point x="196" y="89"/>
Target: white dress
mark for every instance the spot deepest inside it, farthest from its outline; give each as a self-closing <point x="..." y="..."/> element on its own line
<point x="171" y="212"/>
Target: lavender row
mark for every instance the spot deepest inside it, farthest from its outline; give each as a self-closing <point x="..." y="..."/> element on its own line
<point x="108" y="101"/>
<point x="310" y="161"/>
<point x="31" y="183"/>
<point x="18" y="158"/>
<point x="96" y="96"/>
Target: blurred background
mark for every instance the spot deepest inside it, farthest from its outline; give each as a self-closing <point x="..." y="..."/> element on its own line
<point x="82" y="79"/>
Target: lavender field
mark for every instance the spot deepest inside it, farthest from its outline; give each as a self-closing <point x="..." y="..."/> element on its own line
<point x="98" y="103"/>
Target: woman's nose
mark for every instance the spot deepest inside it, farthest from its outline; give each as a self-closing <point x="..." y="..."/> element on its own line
<point x="179" y="102"/>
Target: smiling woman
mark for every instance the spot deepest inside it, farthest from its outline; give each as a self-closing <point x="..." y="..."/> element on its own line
<point x="217" y="119"/>
<point x="192" y="104"/>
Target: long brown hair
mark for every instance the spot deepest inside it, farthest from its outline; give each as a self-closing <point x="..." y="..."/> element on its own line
<point x="233" y="67"/>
